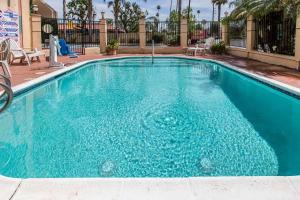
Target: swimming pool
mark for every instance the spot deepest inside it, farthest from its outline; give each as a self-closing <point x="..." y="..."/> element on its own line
<point x="131" y="118"/>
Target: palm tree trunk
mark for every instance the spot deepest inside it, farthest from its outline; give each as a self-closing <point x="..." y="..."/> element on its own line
<point x="213" y="12"/>
<point x="65" y="16"/>
<point x="219" y="13"/>
<point x="90" y="10"/>
<point x="189" y="8"/>
<point x="171" y="5"/>
<point x="64" y="9"/>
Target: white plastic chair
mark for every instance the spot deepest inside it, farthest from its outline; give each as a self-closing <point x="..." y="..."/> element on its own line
<point x="4" y="57"/>
<point x="20" y="54"/>
<point x="202" y="49"/>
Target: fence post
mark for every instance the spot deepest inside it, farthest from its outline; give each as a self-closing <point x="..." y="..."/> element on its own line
<point x="225" y="33"/>
<point x="297" y="41"/>
<point x="36" y="31"/>
<point x="183" y="32"/>
<point x="250" y="34"/>
<point x="103" y="35"/>
<point x="142" y="32"/>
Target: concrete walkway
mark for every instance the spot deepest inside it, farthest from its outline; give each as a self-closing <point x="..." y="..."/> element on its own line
<point x="231" y="188"/>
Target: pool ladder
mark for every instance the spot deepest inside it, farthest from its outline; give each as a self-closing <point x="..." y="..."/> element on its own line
<point x="6" y="93"/>
<point x="153" y="47"/>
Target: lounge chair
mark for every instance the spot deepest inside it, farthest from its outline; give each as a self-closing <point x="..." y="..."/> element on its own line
<point x="65" y="49"/>
<point x="4" y="58"/>
<point x="204" y="48"/>
<point x="18" y="53"/>
<point x="194" y="50"/>
<point x="209" y="42"/>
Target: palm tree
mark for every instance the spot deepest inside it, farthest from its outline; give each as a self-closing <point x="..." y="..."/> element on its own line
<point x="171" y="6"/>
<point x="219" y="3"/>
<point x="179" y="8"/>
<point x="213" y="10"/>
<point x="189" y="9"/>
<point x="90" y="10"/>
<point x="116" y="6"/>
<point x="243" y="8"/>
<point x="64" y="9"/>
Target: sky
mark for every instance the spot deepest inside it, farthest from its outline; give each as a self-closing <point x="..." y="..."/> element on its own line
<point x="204" y="6"/>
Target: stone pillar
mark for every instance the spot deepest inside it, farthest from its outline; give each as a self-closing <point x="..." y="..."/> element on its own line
<point x="183" y="32"/>
<point x="225" y="33"/>
<point x="250" y="33"/>
<point x="26" y="24"/>
<point x="297" y="42"/>
<point x="103" y="35"/>
<point x="142" y="32"/>
<point x="36" y="31"/>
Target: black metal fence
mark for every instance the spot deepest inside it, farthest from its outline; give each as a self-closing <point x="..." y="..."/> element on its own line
<point x="275" y="33"/>
<point x="78" y="34"/>
<point x="199" y="31"/>
<point x="238" y="33"/>
<point x="126" y="34"/>
<point x="163" y="33"/>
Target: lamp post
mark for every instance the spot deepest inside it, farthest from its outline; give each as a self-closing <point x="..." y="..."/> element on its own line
<point x="198" y="14"/>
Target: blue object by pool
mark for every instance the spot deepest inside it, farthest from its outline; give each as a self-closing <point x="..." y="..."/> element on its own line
<point x="129" y="118"/>
<point x="65" y="49"/>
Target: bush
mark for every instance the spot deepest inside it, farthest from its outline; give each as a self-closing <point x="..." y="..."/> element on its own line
<point x="112" y="45"/>
<point x="173" y="41"/>
<point x="219" y="48"/>
<point x="158" y="38"/>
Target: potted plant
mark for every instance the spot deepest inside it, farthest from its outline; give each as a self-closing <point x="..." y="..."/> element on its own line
<point x="112" y="47"/>
<point x="218" y="48"/>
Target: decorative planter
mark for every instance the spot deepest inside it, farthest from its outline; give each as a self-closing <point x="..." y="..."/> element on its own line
<point x="112" y="52"/>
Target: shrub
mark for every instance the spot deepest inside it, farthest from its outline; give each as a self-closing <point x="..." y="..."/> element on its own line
<point x="173" y="40"/>
<point x="218" y="48"/>
<point x="158" y="38"/>
<point x="112" y="45"/>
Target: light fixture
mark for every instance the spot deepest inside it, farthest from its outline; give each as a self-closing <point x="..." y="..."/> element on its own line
<point x="226" y="13"/>
<point x="35" y="8"/>
<point x="102" y="15"/>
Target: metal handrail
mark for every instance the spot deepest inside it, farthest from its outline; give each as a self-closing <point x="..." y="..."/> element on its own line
<point x="153" y="51"/>
<point x="6" y="90"/>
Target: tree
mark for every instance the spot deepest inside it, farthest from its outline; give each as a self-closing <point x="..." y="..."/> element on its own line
<point x="129" y="17"/>
<point x="171" y="6"/>
<point x="219" y="3"/>
<point x="64" y="9"/>
<point x="244" y="8"/>
<point x="213" y="11"/>
<point x="78" y="9"/>
<point x="90" y="10"/>
<point x="116" y="7"/>
<point x="174" y="18"/>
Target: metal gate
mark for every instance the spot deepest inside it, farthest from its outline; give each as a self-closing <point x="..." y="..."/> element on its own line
<point x="78" y="34"/>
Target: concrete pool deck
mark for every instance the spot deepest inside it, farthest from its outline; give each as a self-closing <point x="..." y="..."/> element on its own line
<point x="272" y="188"/>
<point x="231" y="188"/>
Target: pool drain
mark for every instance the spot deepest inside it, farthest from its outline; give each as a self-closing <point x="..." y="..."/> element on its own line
<point x="107" y="168"/>
<point x="206" y="165"/>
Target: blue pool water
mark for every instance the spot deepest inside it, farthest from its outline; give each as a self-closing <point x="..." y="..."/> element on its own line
<point x="129" y="118"/>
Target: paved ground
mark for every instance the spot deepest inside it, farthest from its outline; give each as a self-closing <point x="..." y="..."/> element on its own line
<point x="204" y="188"/>
<point x="22" y="73"/>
